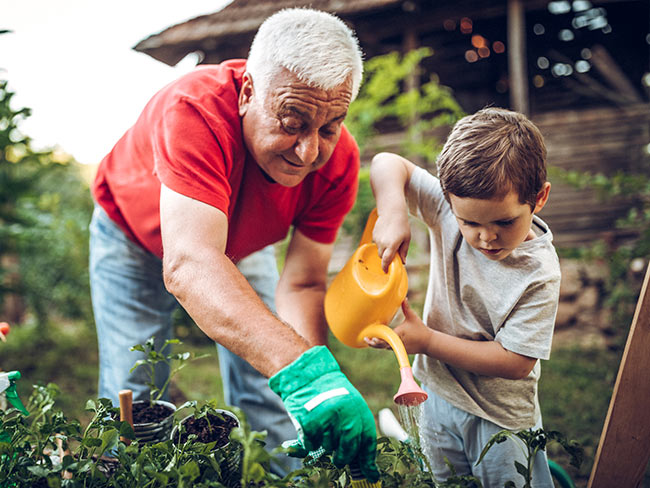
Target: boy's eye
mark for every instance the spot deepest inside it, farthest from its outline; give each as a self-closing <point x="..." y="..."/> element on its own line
<point x="506" y="223"/>
<point x="469" y="224"/>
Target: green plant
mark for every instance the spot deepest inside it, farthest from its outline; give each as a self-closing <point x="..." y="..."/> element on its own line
<point x="49" y="449"/>
<point x="386" y="103"/>
<point x="621" y="287"/>
<point x="45" y="208"/>
<point x="176" y="363"/>
<point x="533" y="441"/>
<point x="384" y="97"/>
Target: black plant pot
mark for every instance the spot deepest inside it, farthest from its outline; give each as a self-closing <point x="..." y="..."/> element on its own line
<point x="153" y="423"/>
<point x="215" y="428"/>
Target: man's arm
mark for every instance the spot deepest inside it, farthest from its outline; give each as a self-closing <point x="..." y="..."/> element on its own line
<point x="301" y="289"/>
<point x="215" y="294"/>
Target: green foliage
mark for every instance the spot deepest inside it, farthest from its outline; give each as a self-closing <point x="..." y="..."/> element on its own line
<point x="621" y="287"/>
<point x="40" y="449"/>
<point x="385" y="100"/>
<point x="44" y="213"/>
<point x="384" y="96"/>
<point x="533" y="441"/>
<point x="175" y="361"/>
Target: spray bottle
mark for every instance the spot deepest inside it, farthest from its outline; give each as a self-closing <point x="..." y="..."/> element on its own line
<point x="8" y="387"/>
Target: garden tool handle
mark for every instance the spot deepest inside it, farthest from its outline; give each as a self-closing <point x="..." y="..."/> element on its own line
<point x="126" y="410"/>
<point x="389" y="335"/>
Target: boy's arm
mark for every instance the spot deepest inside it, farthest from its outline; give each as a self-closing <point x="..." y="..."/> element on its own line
<point x="488" y="358"/>
<point x="389" y="177"/>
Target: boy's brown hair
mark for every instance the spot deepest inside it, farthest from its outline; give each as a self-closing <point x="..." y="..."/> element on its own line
<point x="491" y="152"/>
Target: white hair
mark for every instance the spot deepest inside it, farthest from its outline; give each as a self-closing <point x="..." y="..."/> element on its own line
<point x="315" y="46"/>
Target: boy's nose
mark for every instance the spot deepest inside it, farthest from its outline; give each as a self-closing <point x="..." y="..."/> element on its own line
<point x="487" y="236"/>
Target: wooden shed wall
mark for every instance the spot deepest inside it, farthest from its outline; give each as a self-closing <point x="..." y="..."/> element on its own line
<point x="601" y="140"/>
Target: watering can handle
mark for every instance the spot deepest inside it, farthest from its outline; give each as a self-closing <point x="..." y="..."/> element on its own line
<point x="366" y="237"/>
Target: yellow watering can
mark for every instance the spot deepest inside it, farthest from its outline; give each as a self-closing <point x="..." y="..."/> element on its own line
<point x="362" y="300"/>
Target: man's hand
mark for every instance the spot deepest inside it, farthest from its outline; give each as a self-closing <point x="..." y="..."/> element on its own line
<point x="328" y="411"/>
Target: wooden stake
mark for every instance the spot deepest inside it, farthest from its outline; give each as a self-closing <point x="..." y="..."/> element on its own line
<point x="624" y="448"/>
<point x="126" y="410"/>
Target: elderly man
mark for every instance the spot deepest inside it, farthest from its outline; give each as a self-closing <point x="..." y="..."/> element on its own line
<point x="221" y="164"/>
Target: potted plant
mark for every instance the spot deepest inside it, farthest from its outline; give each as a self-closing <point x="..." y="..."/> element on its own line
<point x="153" y="419"/>
<point x="212" y="426"/>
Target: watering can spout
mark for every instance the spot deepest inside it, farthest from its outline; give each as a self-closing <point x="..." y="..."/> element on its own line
<point x="362" y="299"/>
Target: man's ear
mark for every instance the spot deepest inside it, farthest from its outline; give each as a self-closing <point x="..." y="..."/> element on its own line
<point x="542" y="197"/>
<point x="245" y="94"/>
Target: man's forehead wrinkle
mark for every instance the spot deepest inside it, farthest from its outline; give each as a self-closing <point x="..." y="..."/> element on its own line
<point x="307" y="107"/>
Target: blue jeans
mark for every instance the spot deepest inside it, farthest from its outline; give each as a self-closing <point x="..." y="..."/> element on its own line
<point x="131" y="304"/>
<point x="448" y="432"/>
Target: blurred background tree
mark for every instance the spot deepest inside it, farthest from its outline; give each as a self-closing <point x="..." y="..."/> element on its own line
<point x="392" y="99"/>
<point x="45" y="207"/>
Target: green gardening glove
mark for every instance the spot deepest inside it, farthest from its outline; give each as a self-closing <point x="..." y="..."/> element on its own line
<point x="327" y="411"/>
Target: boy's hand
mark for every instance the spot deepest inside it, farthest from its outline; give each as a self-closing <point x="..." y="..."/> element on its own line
<point x="415" y="335"/>
<point x="392" y="234"/>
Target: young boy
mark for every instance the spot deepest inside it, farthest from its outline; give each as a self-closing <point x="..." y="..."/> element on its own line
<point x="492" y="294"/>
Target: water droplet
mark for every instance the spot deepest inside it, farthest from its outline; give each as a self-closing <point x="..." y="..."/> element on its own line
<point x="581" y="5"/>
<point x="559" y="7"/>
<point x="582" y="66"/>
<point x="566" y="35"/>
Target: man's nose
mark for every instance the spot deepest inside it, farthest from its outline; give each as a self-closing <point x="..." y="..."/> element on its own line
<point x="307" y="147"/>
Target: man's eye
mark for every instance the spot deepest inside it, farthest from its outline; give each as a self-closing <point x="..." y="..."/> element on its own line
<point x="291" y="126"/>
<point x="328" y="131"/>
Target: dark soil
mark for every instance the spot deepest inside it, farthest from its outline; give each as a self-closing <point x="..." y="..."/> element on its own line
<point x="144" y="412"/>
<point x="218" y="429"/>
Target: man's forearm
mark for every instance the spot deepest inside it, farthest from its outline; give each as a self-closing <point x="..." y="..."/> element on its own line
<point x="223" y="304"/>
<point x="302" y="308"/>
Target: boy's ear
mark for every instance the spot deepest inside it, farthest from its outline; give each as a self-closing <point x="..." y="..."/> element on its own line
<point x="542" y="197"/>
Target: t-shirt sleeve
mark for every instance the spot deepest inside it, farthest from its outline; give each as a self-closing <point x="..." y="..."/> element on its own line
<point x="528" y="330"/>
<point x="189" y="157"/>
<point x="424" y="196"/>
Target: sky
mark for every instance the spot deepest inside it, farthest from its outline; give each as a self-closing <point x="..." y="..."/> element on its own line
<point x="72" y="63"/>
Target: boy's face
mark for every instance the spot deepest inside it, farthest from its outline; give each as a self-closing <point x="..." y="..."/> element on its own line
<point x="496" y="226"/>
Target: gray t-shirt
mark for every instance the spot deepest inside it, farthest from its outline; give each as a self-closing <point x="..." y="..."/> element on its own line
<point x="512" y="301"/>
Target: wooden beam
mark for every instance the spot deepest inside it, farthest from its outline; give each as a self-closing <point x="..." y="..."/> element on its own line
<point x="517" y="56"/>
<point x="624" y="449"/>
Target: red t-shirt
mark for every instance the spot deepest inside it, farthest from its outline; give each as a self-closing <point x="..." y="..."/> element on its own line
<point x="189" y="137"/>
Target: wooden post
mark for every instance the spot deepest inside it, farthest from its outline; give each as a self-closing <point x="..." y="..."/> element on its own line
<point x="624" y="447"/>
<point x="126" y="410"/>
<point x="518" y="73"/>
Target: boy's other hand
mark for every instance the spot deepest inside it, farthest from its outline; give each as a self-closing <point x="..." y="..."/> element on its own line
<point x="412" y="331"/>
<point x="376" y="342"/>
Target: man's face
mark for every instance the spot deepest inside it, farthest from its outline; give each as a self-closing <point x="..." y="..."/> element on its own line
<point x="496" y="226"/>
<point x="292" y="129"/>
